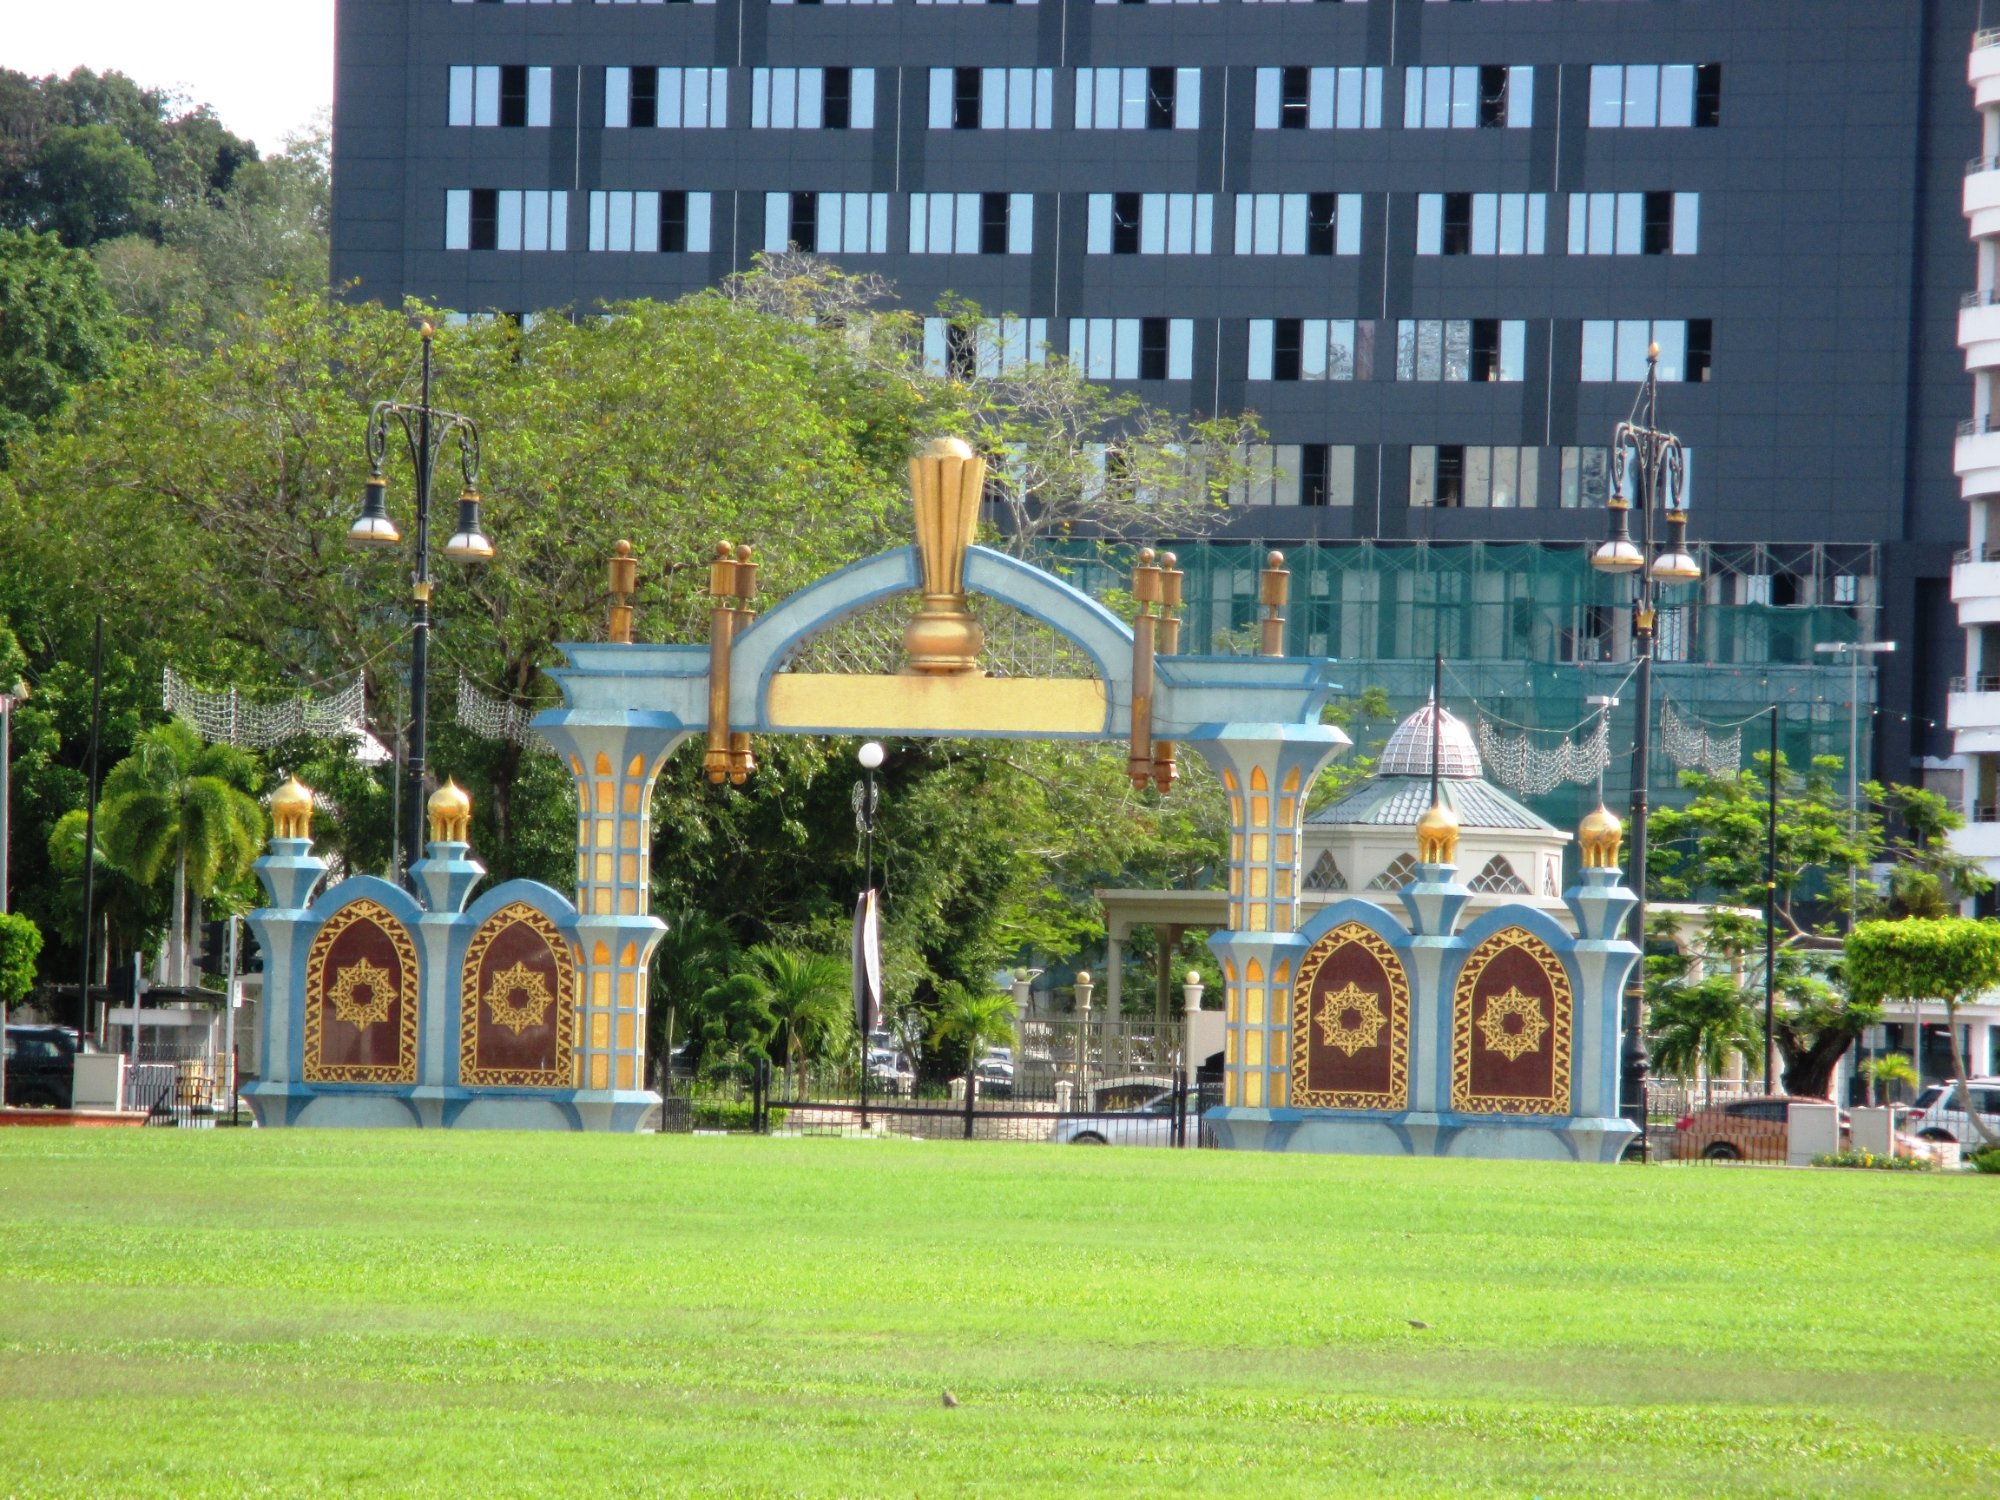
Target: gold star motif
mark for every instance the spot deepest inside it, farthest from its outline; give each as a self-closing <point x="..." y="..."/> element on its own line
<point x="350" y="984"/>
<point x="1513" y="1044"/>
<point x="518" y="1014"/>
<point x="1368" y="1019"/>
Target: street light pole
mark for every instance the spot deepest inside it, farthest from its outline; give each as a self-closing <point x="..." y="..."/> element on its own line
<point x="426" y="429"/>
<point x="1853" y="651"/>
<point x="1648" y="463"/>
<point x="870" y="756"/>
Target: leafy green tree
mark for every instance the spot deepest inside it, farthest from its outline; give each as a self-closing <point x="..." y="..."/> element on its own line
<point x="177" y="805"/>
<point x="1952" y="959"/>
<point x="968" y="1022"/>
<point x="57" y="330"/>
<point x="696" y="954"/>
<point x="1889" y="1071"/>
<point x="20" y="946"/>
<point x="806" y="996"/>
<point x="87" y="184"/>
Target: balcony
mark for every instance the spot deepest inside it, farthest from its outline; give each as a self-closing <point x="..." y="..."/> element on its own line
<point x="1972" y="712"/>
<point x="1979" y="329"/>
<point x="1982" y="195"/>
<point x="1976" y="458"/>
<point x="1975" y="587"/>
<point x="1982" y="70"/>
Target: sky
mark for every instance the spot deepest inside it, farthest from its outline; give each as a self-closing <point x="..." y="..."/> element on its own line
<point x="265" y="65"/>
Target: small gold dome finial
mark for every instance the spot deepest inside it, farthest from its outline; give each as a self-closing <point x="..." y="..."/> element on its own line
<point x="1598" y="836"/>
<point x="451" y="814"/>
<point x="292" y="810"/>
<point x="1437" y="836"/>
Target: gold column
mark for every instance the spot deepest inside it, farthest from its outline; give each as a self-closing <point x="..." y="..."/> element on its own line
<point x="947" y="481"/>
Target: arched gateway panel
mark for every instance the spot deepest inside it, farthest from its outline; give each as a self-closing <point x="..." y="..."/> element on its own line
<point x="1510" y="1028"/>
<point x="1351" y="1023"/>
<point x="361" y="999"/>
<point x="517" y="1003"/>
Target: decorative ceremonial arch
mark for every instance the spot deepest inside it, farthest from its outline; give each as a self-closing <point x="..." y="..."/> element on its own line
<point x="490" y="1052"/>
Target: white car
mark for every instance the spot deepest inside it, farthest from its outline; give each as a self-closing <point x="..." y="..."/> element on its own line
<point x="1149" y="1123"/>
<point x="1939" y="1113"/>
<point x="890" y="1072"/>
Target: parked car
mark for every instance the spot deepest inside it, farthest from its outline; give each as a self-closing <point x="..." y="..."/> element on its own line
<point x="41" y="1066"/>
<point x="1742" y="1130"/>
<point x="996" y="1079"/>
<point x="1940" y="1111"/>
<point x="890" y="1072"/>
<point x="1149" y="1123"/>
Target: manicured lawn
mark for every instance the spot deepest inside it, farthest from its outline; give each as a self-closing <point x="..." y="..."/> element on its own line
<point x="296" y="1313"/>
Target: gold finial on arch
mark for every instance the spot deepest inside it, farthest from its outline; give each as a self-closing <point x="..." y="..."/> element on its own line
<point x="947" y="481"/>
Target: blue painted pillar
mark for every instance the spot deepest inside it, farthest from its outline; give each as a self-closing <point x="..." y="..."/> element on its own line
<point x="444" y="877"/>
<point x="1603" y="959"/>
<point x="288" y="874"/>
<point x="1433" y="900"/>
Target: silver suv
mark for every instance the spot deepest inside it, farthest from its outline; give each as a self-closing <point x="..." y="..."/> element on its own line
<point x="1939" y="1112"/>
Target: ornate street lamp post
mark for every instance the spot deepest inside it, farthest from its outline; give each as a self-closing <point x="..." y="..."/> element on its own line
<point x="1649" y="465"/>
<point x="426" y="430"/>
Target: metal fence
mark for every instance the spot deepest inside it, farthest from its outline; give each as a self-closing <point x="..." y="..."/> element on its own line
<point x="193" y="1093"/>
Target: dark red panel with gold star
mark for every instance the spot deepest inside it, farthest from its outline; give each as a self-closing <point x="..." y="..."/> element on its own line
<point x="1351" y="1023"/>
<point x="517" y="1003"/>
<point x="361" y="999"/>
<point x="1510" y="1028"/>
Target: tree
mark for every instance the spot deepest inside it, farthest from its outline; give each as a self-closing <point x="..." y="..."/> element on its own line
<point x="177" y="804"/>
<point x="57" y="329"/>
<point x="1890" y="1070"/>
<point x="1698" y="1027"/>
<point x="973" y="1020"/>
<point x="806" y="996"/>
<point x="89" y="185"/>
<point x="696" y="954"/>
<point x="1952" y="959"/>
<point x="20" y="946"/>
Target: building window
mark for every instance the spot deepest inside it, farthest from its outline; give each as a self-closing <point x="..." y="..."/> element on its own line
<point x="1616" y="350"/>
<point x="1475" y="477"/>
<point x="1138" y="98"/>
<point x="1151" y="223"/>
<point x="1586" y="477"/>
<point x="666" y="98"/>
<point x="801" y="2"/>
<point x="979" y="2"/>
<point x="1454" y="349"/>
<point x="972" y="223"/>
<point x="828" y="223"/>
<point x="990" y="347"/>
<point x="505" y="219"/>
<point x="1485" y="98"/>
<point x="1481" y="223"/>
<point x="1402" y="871"/>
<point x="1312" y="349"/>
<point x="1634" y="223"/>
<point x="812" y="98"/>
<point x="1298" y="223"/>
<point x="1319" y="98"/>
<point x="1642" y="95"/>
<point x="1326" y="874"/>
<point x="1295" y="474"/>
<point x="992" y="98"/>
<point x="1133" y="348"/>
<point x="1497" y="878"/>
<point x="600" y="2"/>
<point x="667" y="222"/>
<point x="507" y="95"/>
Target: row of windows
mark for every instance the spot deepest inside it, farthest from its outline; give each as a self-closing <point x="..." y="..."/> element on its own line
<point x="1442" y="475"/>
<point x="1472" y="349"/>
<point x="1599" y="223"/>
<point x="972" y="223"/>
<point x="1147" y="98"/>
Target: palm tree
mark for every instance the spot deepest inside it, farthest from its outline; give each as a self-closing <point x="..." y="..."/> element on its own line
<point x="177" y="802"/>
<point x="807" y="995"/>
<point x="1886" y="1072"/>
<point x="1697" y="1027"/>
<point x="974" y="1022"/>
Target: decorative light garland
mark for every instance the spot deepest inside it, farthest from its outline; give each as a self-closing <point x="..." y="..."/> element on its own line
<point x="226" y="718"/>
<point x="1530" y="770"/>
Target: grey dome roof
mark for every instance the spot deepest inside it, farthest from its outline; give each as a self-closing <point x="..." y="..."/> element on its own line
<point x="1398" y="801"/>
<point x="1408" y="752"/>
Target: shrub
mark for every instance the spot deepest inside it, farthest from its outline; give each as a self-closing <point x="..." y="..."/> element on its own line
<point x="718" y="1114"/>
<point x="1985" y="1159"/>
<point x="1873" y="1162"/>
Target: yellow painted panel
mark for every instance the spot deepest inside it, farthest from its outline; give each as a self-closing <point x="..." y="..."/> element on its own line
<point x="624" y="1035"/>
<point x="1260" y="847"/>
<point x="603" y="764"/>
<point x="1236" y="812"/>
<point x="1284" y="848"/>
<point x="624" y="989"/>
<point x="636" y="768"/>
<point x="601" y="866"/>
<point x="1253" y="1090"/>
<point x="1229" y="778"/>
<point x="1283" y="973"/>
<point x="1260" y="812"/>
<point x="628" y="799"/>
<point x="628" y="833"/>
<point x="967" y="704"/>
<point x="1235" y="847"/>
<point x="1253" y="1049"/>
<point x="602" y="834"/>
<point x="601" y="796"/>
<point x="628" y="902"/>
<point x="1229" y="1049"/>
<point x="624" y="1072"/>
<point x="599" y="954"/>
<point x="576" y="767"/>
<point x="600" y="1072"/>
<point x="1259" y="921"/>
<point x="600" y="1030"/>
<point x="600" y="900"/>
<point x="1253" y="972"/>
<point x="1288" y="808"/>
<point x="1260" y="882"/>
<point x="600" y="989"/>
<point x="628" y="955"/>
<point x="1229" y="970"/>
<point x="1291" y="780"/>
<point x="1259" y="782"/>
<point x="1284" y="885"/>
<point x="628" y="868"/>
<point x="1253" y="1006"/>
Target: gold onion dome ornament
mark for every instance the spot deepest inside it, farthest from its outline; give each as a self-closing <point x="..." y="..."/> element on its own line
<point x="292" y="810"/>
<point x="451" y="814"/>
<point x="1437" y="835"/>
<point x="1598" y="836"/>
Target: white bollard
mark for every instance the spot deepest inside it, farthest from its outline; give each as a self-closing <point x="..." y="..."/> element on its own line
<point x="1872" y="1130"/>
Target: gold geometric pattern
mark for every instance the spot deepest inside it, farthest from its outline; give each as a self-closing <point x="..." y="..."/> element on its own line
<point x="1465" y="995"/>
<point x="533" y="1002"/>
<point x="361" y="978"/>
<point x="561" y="1073"/>
<point x="404" y="1069"/>
<point x="1368" y="1019"/>
<point x="1493" y="1025"/>
<point x="1394" y="1006"/>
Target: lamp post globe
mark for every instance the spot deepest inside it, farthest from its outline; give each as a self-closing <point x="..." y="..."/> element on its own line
<point x="870" y="756"/>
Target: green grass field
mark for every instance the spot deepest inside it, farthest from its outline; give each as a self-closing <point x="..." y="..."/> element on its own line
<point x="297" y="1313"/>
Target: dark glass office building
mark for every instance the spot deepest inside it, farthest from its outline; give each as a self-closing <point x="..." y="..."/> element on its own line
<point x="1428" y="241"/>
